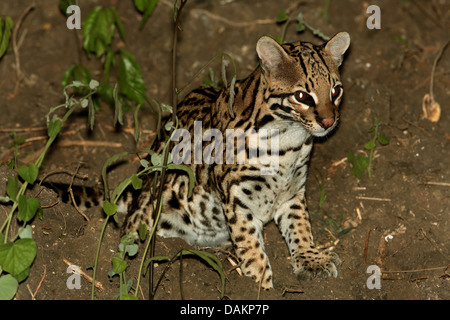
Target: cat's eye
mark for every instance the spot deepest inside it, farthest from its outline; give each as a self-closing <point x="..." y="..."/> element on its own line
<point x="305" y="98"/>
<point x="336" y="92"/>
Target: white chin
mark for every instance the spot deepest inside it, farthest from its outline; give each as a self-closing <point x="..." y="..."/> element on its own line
<point x="321" y="132"/>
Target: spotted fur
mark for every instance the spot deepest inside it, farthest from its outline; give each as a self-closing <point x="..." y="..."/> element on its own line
<point x="296" y="90"/>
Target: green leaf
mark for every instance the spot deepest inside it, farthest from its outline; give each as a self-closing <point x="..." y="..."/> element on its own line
<point x="29" y="173"/>
<point x="130" y="78"/>
<point x="168" y="125"/>
<point x="300" y="27"/>
<point x="140" y="5"/>
<point x="12" y="187"/>
<point x="16" y="257"/>
<point x="106" y="93"/>
<point x="131" y="249"/>
<point x="8" y="287"/>
<point x="146" y="7"/>
<point x="77" y="74"/>
<point x="118" y="109"/>
<point x="98" y="30"/>
<point x="25" y="233"/>
<point x="5" y="34"/>
<point x="54" y="127"/>
<point x="142" y="231"/>
<point x="109" y="208"/>
<point x="127" y="296"/>
<point x="382" y="139"/>
<point x="136" y="182"/>
<point x="212" y="261"/>
<point x="156" y="159"/>
<point x="27" y="208"/>
<point x="64" y="4"/>
<point x="370" y="145"/>
<point x="136" y="123"/>
<point x="118" y="22"/>
<point x="282" y="16"/>
<point x="359" y="163"/>
<point x="119" y="265"/>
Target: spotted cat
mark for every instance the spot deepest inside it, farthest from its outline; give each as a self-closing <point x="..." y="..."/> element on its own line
<point x="296" y="91"/>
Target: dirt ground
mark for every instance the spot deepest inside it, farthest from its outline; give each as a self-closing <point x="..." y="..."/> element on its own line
<point x="400" y="215"/>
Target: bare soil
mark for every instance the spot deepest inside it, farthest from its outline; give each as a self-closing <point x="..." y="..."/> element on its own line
<point x="386" y="73"/>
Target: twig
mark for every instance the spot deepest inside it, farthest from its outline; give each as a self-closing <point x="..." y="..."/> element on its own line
<point x="406" y="279"/>
<point x="416" y="270"/>
<point x="372" y="198"/>
<point x="73" y="174"/>
<point x="197" y="12"/>
<point x="366" y="246"/>
<point x="92" y="144"/>
<point x="443" y="184"/>
<point x="260" y="281"/>
<point x="433" y="70"/>
<point x="15" y="46"/>
<point x="40" y="283"/>
<point x="291" y="290"/>
<point x="97" y="284"/>
<point x="73" y="198"/>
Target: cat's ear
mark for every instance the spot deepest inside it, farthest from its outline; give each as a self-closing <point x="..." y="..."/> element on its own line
<point x="337" y="46"/>
<point x="270" y="53"/>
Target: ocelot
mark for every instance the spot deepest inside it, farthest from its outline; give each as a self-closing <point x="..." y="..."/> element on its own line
<point x="295" y="92"/>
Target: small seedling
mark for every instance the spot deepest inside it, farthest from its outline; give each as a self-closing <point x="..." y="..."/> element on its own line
<point x="362" y="163"/>
<point x="284" y="18"/>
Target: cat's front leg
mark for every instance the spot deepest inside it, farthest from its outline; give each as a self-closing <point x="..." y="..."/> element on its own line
<point x="308" y="262"/>
<point x="247" y="237"/>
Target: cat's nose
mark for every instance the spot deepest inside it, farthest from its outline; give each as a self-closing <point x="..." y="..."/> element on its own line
<point x="327" y="122"/>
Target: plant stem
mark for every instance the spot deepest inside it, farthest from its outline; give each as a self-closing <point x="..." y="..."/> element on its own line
<point x="96" y="257"/>
<point x="369" y="166"/>
<point x="166" y="154"/>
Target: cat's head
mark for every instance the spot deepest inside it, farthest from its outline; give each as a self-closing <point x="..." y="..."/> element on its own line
<point x="303" y="82"/>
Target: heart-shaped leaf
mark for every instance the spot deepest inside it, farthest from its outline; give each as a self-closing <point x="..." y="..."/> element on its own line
<point x="16" y="257"/>
<point x="8" y="287"/>
<point x="27" y="208"/>
<point x="109" y="208"/>
<point x="29" y="173"/>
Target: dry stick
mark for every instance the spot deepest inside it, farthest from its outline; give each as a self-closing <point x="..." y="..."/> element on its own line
<point x="19" y="73"/>
<point x="97" y="284"/>
<point x="291" y="290"/>
<point x="366" y="246"/>
<point x="73" y="174"/>
<point x="92" y="144"/>
<point x="433" y="70"/>
<point x="73" y="198"/>
<point x="372" y="198"/>
<point x="40" y="283"/>
<point x="416" y="270"/>
<point x="406" y="279"/>
<point x="196" y="12"/>
<point x="442" y="184"/>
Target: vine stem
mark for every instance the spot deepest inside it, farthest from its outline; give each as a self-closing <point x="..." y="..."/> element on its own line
<point x="369" y="166"/>
<point x="166" y="154"/>
<point x="24" y="186"/>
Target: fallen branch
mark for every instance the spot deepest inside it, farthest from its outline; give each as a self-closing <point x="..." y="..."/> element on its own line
<point x="91" y="144"/>
<point x="73" y="198"/>
<point x="19" y="73"/>
<point x="198" y="12"/>
<point x="417" y="270"/>
<point x="442" y="184"/>
<point x="97" y="284"/>
<point x="372" y="198"/>
<point x="406" y="279"/>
